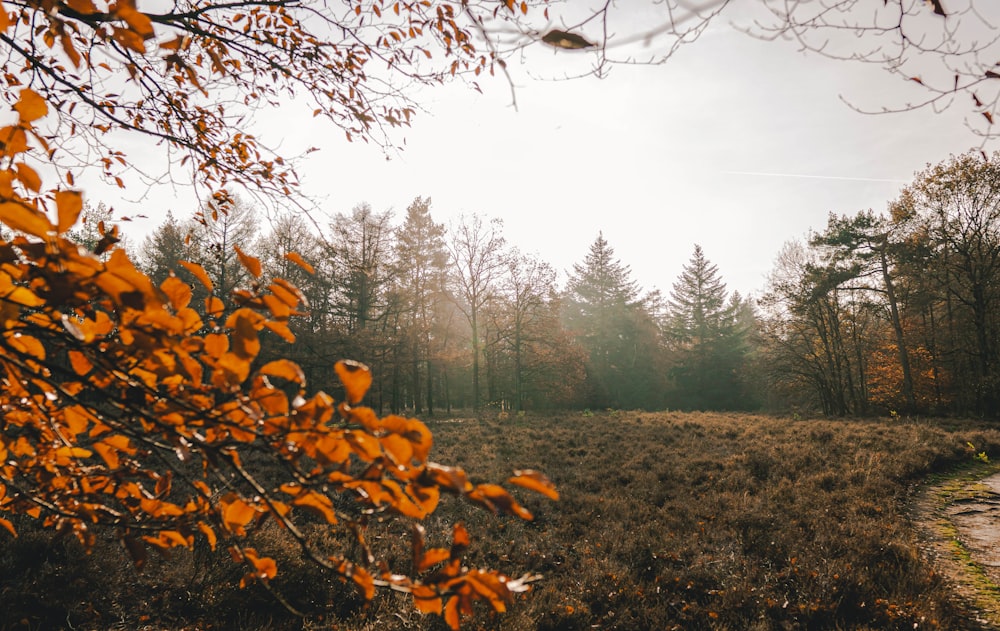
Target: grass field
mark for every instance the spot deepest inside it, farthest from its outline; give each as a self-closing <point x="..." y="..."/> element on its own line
<point x="666" y="521"/>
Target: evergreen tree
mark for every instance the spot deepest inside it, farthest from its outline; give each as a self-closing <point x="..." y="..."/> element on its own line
<point x="89" y="232"/>
<point x="707" y="340"/>
<point x="607" y="317"/>
<point x="421" y="261"/>
<point x="215" y="232"/>
<point x="164" y="248"/>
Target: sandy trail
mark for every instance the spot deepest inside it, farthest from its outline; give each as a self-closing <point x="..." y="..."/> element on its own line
<point x="959" y="524"/>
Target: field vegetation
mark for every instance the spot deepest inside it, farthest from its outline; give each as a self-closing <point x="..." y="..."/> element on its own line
<point x="666" y="521"/>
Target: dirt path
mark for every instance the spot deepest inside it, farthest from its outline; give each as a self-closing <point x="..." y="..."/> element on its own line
<point x="958" y="520"/>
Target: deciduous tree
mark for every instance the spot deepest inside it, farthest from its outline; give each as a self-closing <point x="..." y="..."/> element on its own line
<point x="476" y="250"/>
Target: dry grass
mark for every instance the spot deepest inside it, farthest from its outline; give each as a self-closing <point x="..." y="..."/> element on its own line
<point x="667" y="521"/>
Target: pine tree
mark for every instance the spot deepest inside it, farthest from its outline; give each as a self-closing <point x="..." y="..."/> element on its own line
<point x="164" y="248"/>
<point x="421" y="260"/>
<point x="708" y="344"/>
<point x="607" y="317"/>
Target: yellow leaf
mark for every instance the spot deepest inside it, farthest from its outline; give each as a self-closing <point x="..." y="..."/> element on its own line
<point x="69" y="204"/>
<point x="24" y="218"/>
<point x="31" y="106"/>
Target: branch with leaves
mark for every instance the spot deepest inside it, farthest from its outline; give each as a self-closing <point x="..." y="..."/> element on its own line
<point x="125" y="409"/>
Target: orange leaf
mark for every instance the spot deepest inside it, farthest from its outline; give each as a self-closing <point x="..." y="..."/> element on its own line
<point x="281" y="330"/>
<point x="137" y="21"/>
<point x="426" y="599"/>
<point x="198" y="272"/>
<point x="85" y="7"/>
<point x="460" y="541"/>
<point x="14" y="140"/>
<point x="177" y="291"/>
<point x="108" y="454"/>
<point x="209" y="534"/>
<point x="495" y="498"/>
<point x="73" y="452"/>
<point x="317" y="504"/>
<point x="236" y="514"/>
<point x="8" y="526"/>
<point x="214" y="307"/>
<point x="243" y="340"/>
<point x="252" y="264"/>
<point x="129" y="39"/>
<point x="24" y="219"/>
<point x="451" y="614"/>
<point x="216" y="344"/>
<point x="265" y="566"/>
<point x="81" y="365"/>
<point x="28" y="176"/>
<point x="284" y="369"/>
<point x="432" y="557"/>
<point x="535" y="481"/>
<point x="356" y="377"/>
<point x="69" y="205"/>
<point x="301" y="262"/>
<point x="26" y="344"/>
<point x="31" y="106"/>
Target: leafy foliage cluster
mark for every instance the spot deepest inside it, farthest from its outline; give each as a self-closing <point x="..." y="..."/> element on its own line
<point x="897" y="310"/>
<point x="126" y="409"/>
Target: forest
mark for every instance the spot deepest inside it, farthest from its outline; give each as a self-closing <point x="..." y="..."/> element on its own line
<point x="253" y="420"/>
<point x="877" y="312"/>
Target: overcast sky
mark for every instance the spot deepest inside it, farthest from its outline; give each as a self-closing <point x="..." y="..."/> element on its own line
<point x="735" y="144"/>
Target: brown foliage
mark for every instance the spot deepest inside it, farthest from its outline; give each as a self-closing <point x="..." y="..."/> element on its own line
<point x="666" y="521"/>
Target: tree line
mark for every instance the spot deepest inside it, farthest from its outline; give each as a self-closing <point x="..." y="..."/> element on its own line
<point x="456" y="317"/>
<point x="895" y="311"/>
<point x="875" y="312"/>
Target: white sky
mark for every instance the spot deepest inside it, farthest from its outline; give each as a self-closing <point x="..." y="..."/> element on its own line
<point x="735" y="144"/>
